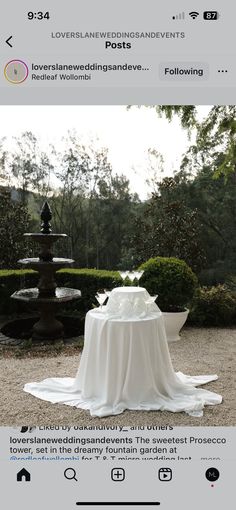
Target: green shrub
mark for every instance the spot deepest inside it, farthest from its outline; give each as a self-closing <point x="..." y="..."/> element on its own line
<point x="231" y="283"/>
<point x="172" y="279"/>
<point x="213" y="306"/>
<point x="89" y="281"/>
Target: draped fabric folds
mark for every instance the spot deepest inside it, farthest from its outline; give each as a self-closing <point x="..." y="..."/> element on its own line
<point x="126" y="364"/>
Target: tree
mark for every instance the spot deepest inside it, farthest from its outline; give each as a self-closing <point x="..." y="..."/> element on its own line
<point x="186" y="113"/>
<point x="91" y="205"/>
<point x="155" y="162"/>
<point x="114" y="210"/>
<point x="3" y="156"/>
<point x="14" y="222"/>
<point x="80" y="172"/>
<point x="29" y="166"/>
<point x="215" y="201"/>
<point x="169" y="228"/>
<point x="216" y="137"/>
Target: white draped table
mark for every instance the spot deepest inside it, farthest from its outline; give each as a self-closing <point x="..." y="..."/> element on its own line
<point x="126" y="364"/>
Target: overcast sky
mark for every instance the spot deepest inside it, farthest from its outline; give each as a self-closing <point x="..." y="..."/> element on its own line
<point x="128" y="134"/>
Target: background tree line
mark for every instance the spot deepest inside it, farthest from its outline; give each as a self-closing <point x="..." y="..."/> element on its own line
<point x="90" y="204"/>
<point x="190" y="215"/>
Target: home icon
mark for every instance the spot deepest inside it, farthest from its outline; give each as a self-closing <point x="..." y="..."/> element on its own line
<point x="23" y="474"/>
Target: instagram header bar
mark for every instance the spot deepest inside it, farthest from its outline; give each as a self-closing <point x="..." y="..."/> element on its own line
<point x="162" y="55"/>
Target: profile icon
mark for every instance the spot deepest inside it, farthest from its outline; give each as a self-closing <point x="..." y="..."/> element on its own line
<point x="16" y="71"/>
<point x="23" y="429"/>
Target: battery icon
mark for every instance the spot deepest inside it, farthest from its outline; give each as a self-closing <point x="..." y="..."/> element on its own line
<point x="211" y="15"/>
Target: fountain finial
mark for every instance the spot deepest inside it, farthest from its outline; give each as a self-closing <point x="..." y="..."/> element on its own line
<point x="46" y="216"/>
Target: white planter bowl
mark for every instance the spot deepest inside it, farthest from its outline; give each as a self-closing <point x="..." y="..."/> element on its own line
<point x="174" y="321"/>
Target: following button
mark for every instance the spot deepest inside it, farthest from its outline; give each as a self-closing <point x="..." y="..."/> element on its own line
<point x="183" y="71"/>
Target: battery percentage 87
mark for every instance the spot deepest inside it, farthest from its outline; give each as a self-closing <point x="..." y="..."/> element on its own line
<point x="211" y="15"/>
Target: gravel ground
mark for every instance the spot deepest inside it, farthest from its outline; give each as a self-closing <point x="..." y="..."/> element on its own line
<point x="200" y="351"/>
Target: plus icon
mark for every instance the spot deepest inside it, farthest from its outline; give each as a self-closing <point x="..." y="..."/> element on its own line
<point x="117" y="474"/>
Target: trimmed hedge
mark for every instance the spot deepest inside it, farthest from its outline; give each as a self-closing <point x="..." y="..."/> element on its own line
<point x="172" y="279"/>
<point x="89" y="281"/>
<point x="213" y="306"/>
<point x="10" y="281"/>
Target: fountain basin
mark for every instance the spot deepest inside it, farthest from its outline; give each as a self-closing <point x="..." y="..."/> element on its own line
<point x="38" y="236"/>
<point x="22" y="329"/>
<point x="62" y="295"/>
<point x="39" y="265"/>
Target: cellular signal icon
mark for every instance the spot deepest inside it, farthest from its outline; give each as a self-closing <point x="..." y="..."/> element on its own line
<point x="181" y="15"/>
<point x="194" y="14"/>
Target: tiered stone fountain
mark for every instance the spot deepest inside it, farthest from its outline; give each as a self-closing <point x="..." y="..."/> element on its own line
<point x="46" y="296"/>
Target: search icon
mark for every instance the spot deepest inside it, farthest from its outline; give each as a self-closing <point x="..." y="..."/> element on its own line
<point x="70" y="474"/>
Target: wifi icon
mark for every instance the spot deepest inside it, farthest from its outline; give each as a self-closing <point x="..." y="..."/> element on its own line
<point x="194" y="14"/>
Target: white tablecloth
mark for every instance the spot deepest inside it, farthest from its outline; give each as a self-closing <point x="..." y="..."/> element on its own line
<point x="126" y="364"/>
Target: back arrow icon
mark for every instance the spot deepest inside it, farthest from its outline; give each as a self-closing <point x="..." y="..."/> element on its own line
<point x="7" y="41"/>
